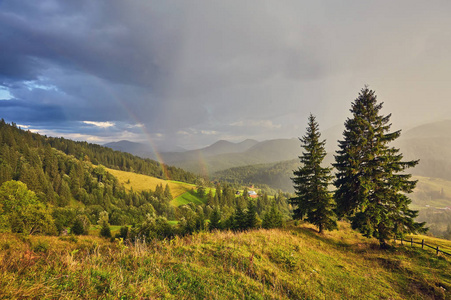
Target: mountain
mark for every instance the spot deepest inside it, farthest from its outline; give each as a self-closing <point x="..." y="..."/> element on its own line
<point x="431" y="144"/>
<point x="439" y="129"/>
<point x="223" y="155"/>
<point x="130" y="147"/>
<point x="274" y="175"/>
<point x="141" y="149"/>
<point x="70" y="179"/>
<point x="221" y="147"/>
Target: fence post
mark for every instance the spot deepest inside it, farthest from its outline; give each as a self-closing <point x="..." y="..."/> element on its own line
<point x="422" y="244"/>
<point x="437" y="250"/>
<point x="411" y="242"/>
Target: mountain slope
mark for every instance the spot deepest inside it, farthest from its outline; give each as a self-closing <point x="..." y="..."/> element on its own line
<point x="205" y="162"/>
<point x="67" y="176"/>
<point x="275" y="175"/>
<point x="140" y="149"/>
<point x="290" y="263"/>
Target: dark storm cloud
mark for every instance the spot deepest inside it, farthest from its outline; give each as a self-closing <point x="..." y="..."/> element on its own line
<point x="194" y="72"/>
<point x="25" y="112"/>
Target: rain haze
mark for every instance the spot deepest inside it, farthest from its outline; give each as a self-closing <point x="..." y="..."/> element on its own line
<point x="189" y="73"/>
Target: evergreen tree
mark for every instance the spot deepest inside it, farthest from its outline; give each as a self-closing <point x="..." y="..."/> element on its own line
<point x="239" y="219"/>
<point x="311" y="182"/>
<point x="371" y="184"/>
<point x="167" y="193"/>
<point x="251" y="215"/>
<point x="210" y="199"/>
<point x="272" y="218"/>
<point x="215" y="219"/>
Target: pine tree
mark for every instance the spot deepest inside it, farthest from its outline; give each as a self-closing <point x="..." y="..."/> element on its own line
<point x="167" y="193"/>
<point x="215" y="219"/>
<point x="272" y="218"/>
<point x="239" y="219"/>
<point x="251" y="214"/>
<point x="311" y="182"/>
<point x="370" y="180"/>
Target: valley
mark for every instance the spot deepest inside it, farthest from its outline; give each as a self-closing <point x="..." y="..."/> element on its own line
<point x="195" y="231"/>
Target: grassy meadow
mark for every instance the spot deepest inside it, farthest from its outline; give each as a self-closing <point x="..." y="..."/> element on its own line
<point x="141" y="182"/>
<point x="182" y="192"/>
<point x="435" y="192"/>
<point x="288" y="263"/>
<point x="186" y="198"/>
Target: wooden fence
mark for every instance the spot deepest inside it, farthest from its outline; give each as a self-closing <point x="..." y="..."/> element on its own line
<point x="423" y="244"/>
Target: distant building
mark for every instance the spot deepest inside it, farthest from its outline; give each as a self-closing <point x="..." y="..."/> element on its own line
<point x="252" y="194"/>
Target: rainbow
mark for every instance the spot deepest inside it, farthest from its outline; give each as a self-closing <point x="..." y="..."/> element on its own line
<point x="143" y="128"/>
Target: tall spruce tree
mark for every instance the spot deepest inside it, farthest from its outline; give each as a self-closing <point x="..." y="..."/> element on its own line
<point x="371" y="184"/>
<point x="311" y="182"/>
<point x="251" y="215"/>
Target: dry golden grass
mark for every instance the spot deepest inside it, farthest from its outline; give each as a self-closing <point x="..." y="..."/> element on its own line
<point x="290" y="263"/>
<point x="141" y="182"/>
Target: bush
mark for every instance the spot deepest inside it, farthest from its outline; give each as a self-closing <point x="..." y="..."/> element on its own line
<point x="123" y="233"/>
<point x="41" y="246"/>
<point x="105" y="231"/>
<point x="80" y="226"/>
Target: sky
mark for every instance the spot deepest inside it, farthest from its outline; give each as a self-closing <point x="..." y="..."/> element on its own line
<point x="189" y="73"/>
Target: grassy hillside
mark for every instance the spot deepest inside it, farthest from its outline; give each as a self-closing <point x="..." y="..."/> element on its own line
<point x="181" y="192"/>
<point x="141" y="182"/>
<point x="291" y="263"/>
<point x="434" y="192"/>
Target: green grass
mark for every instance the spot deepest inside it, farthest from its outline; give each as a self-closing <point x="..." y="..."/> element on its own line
<point x="435" y="192"/>
<point x="141" y="182"/>
<point x="444" y="245"/>
<point x="187" y="198"/>
<point x="291" y="263"/>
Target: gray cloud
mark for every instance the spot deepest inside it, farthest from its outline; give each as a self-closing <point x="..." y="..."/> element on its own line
<point x="200" y="66"/>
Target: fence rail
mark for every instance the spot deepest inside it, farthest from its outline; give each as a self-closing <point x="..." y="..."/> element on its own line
<point x="423" y="244"/>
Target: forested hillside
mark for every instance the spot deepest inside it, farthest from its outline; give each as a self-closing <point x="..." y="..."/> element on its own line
<point x="16" y="140"/>
<point x="224" y="155"/>
<point x="63" y="176"/>
<point x="274" y="175"/>
<point x="69" y="180"/>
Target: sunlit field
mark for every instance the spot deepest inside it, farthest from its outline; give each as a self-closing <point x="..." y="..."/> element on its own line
<point x="290" y="263"/>
<point x="141" y="182"/>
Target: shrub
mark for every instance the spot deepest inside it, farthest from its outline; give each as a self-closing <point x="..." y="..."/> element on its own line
<point x="80" y="226"/>
<point x="41" y="246"/>
<point x="105" y="231"/>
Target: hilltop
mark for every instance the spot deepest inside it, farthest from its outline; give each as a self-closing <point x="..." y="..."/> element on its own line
<point x="289" y="263"/>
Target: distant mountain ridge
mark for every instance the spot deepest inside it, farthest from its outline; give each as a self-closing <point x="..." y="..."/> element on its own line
<point x="219" y="156"/>
<point x="140" y="149"/>
<point x="431" y="143"/>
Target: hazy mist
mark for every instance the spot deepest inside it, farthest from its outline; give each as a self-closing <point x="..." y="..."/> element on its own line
<point x="191" y="73"/>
